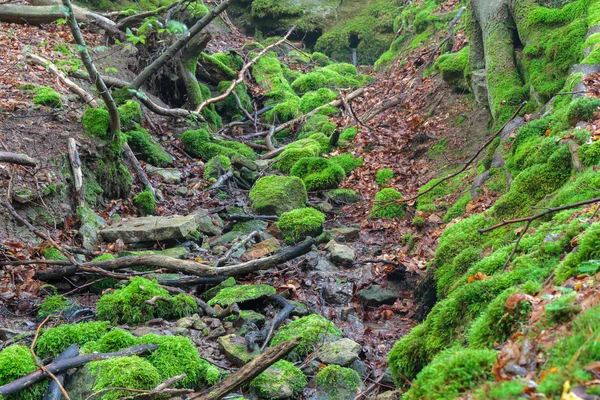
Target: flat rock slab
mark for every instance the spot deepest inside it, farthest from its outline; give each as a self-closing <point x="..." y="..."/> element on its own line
<point x="376" y="295"/>
<point x="151" y="229"/>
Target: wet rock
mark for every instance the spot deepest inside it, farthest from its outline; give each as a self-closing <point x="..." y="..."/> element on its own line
<point x="167" y="175"/>
<point x="388" y="378"/>
<point x="346" y="234"/>
<point x="337" y="383"/>
<point x="301" y="309"/>
<point x="338" y="293"/>
<point x="247" y="227"/>
<point x="389" y="395"/>
<point x="361" y="368"/>
<point x="341" y="352"/>
<point x="325" y="207"/>
<point x="340" y="254"/>
<point x="226" y="238"/>
<point x="280" y="381"/>
<point x="217" y="332"/>
<point x="193" y="322"/>
<point x="249" y="175"/>
<point x="234" y="348"/>
<point x="239" y="161"/>
<point x="179" y="331"/>
<point x="145" y="330"/>
<point x="246" y="321"/>
<point x="210" y="224"/>
<point x="376" y="295"/>
<point x="324" y="265"/>
<point x="262" y="249"/>
<point x="182" y="191"/>
<point x="210" y="293"/>
<point x="218" y="250"/>
<point x="344" y="312"/>
<point x="151" y="229"/>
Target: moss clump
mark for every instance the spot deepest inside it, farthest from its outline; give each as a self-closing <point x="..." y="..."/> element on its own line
<point x="216" y="166"/>
<point x="498" y="322"/>
<point x="409" y="354"/>
<point x="338" y="382"/>
<point x="146" y="148"/>
<point x="562" y="309"/>
<point x="16" y="362"/>
<point x="115" y="340"/>
<point x="312" y="100"/>
<point x="323" y="78"/>
<point x="240" y="294"/>
<point x="589" y="249"/>
<point x="145" y="202"/>
<point x="384" y="176"/>
<point x="452" y="373"/>
<point x="268" y="73"/>
<point x="386" y="205"/>
<point x="297" y="225"/>
<point x="453" y="66"/>
<point x="54" y="341"/>
<point x="128" y="305"/>
<point x="177" y="355"/>
<point x="278" y="194"/>
<point x="582" y="109"/>
<point x="348" y="196"/>
<point x="347" y="162"/>
<point x="282" y="374"/>
<point x="201" y="144"/>
<point x="229" y="108"/>
<point x="312" y="329"/>
<point x="292" y="155"/>
<point x="589" y="154"/>
<point x="319" y="123"/>
<point x="52" y="253"/>
<point x="123" y="372"/>
<point x="274" y="9"/>
<point x="130" y="115"/>
<point x="284" y="111"/>
<point x="318" y="173"/>
<point x="53" y="305"/>
<point x="47" y="96"/>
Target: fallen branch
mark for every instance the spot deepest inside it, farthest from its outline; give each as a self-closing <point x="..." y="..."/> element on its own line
<point x="75" y="162"/>
<point x="241" y="74"/>
<point x="54" y="388"/>
<point x="127" y="22"/>
<point x="222" y="179"/>
<point x="248" y="371"/>
<point x="245" y="217"/>
<point x="135" y="164"/>
<point x="222" y="260"/>
<point x="269" y="139"/>
<point x="64" y="365"/>
<point x="19" y="159"/>
<point x="265" y="334"/>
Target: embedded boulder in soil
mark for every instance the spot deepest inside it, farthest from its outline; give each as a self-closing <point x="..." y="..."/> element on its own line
<point x="275" y="195"/>
<point x="151" y="229"/>
<point x="241" y="293"/>
<point x="341" y="352"/>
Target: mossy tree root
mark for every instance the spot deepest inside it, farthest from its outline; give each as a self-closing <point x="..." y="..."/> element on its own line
<point x="187" y="68"/>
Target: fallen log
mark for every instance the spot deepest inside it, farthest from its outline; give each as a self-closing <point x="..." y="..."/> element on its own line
<point x="264" y="335"/>
<point x="248" y="371"/>
<point x="13" y="158"/>
<point x="64" y="365"/>
<point x="53" y="392"/>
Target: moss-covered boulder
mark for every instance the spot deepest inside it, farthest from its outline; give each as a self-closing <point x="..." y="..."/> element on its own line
<point x="123" y="372"/>
<point x="216" y="166"/>
<point x="344" y="196"/>
<point x="54" y="341"/>
<point x="453" y="67"/>
<point x="128" y="305"/>
<point x="241" y="293"/>
<point x="386" y="204"/>
<point x="202" y="144"/>
<point x="338" y="383"/>
<point x="318" y="173"/>
<point x="282" y="380"/>
<point x="312" y="330"/>
<point x="47" y="96"/>
<point x="146" y="148"/>
<point x="297" y="225"/>
<point x="274" y="195"/>
<point x="15" y="362"/>
<point x="53" y="305"/>
<point x="235" y="349"/>
<point x="582" y="109"/>
<point x="347" y="162"/>
<point x="145" y="202"/>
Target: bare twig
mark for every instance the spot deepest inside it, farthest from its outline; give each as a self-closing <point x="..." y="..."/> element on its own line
<point x="222" y="260"/>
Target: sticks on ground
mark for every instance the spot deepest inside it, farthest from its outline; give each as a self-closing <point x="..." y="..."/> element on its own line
<point x="75" y="162"/>
<point x="55" y="389"/>
<point x="248" y="371"/>
<point x="265" y="334"/>
<point x="132" y="160"/>
<point x="20" y="159"/>
<point x="222" y="260"/>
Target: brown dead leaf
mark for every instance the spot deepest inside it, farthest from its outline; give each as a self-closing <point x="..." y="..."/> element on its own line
<point x="480" y="276"/>
<point x="515" y="299"/>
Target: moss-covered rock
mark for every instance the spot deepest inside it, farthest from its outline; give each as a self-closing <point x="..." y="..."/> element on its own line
<point x="386" y="204"/>
<point x="123" y="372"/>
<point x="384" y="176"/>
<point x="128" y="304"/>
<point x="241" y="293"/>
<point x="52" y="253"/>
<point x="312" y="330"/>
<point x="342" y="196"/>
<point x="146" y="148"/>
<point x="145" y="202"/>
<point x="268" y="73"/>
<point x="338" y="383"/>
<point x="282" y="380"/>
<point x="324" y="78"/>
<point x="453" y="66"/>
<point x="347" y="162"/>
<point x="278" y="194"/>
<point x="312" y="100"/>
<point x="318" y="173"/>
<point x="53" y="305"/>
<point x="202" y="144"/>
<point x="54" y="341"/>
<point x="215" y="167"/>
<point x="47" y="96"/>
<point x="15" y="362"/>
<point x="114" y="340"/>
<point x="582" y="109"/>
<point x="291" y="155"/>
<point x="297" y="225"/>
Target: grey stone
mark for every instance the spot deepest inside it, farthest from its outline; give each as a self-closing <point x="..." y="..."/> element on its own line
<point x="167" y="175"/>
<point x="210" y="224"/>
<point x="324" y="265"/>
<point x="389" y="395"/>
<point x="301" y="309"/>
<point x="173" y="252"/>
<point x="325" y="207"/>
<point x="338" y="293"/>
<point x="340" y="254"/>
<point x="551" y="238"/>
<point x="239" y="162"/>
<point x="217" y="332"/>
<point x="218" y="250"/>
<point x="346" y="234"/>
<point x="360" y="367"/>
<point x="151" y="229"/>
<point x="278" y="385"/>
<point x="480" y="87"/>
<point x="193" y="322"/>
<point x="376" y="295"/>
<point x="226" y="238"/>
<point x="341" y="352"/>
<point x="179" y="331"/>
<point x="234" y="348"/>
<point x="182" y="191"/>
<point x="388" y="378"/>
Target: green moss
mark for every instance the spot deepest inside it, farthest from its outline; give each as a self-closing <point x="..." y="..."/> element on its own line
<point x="177" y="355"/>
<point x="53" y="305"/>
<point x="318" y="173"/>
<point x="384" y="176"/>
<point x="274" y="9"/>
<point x="146" y="148"/>
<point x="502" y="390"/>
<point x="16" y="362"/>
<point x="145" y="202"/>
<point x="52" y="253"/>
<point x="47" y="96"/>
<point x="229" y="108"/>
<point x="312" y="100"/>
<point x="562" y="309"/>
<point x="115" y="340"/>
<point x="200" y="143"/>
<point x="312" y="330"/>
<point x="319" y="123"/>
<point x="339" y="382"/>
<point x="582" y="109"/>
<point x="297" y="225"/>
<point x="588" y="250"/>
<point x="96" y="122"/>
<point x="268" y="384"/>
<point x="278" y="194"/>
<point x="320" y="58"/>
<point x="291" y="155"/>
<point x="453" y="66"/>
<point x="344" y="69"/>
<point x="453" y="373"/>
<point x="240" y="294"/>
<point x="215" y="166"/>
<point x="55" y="340"/>
<point x="268" y="73"/>
<point x="409" y="355"/>
<point x="347" y="162"/>
<point x="130" y="114"/>
<point x="386" y="205"/>
<point x="497" y="322"/>
<point x="348" y="196"/>
<point x="323" y="78"/>
<point x="128" y="304"/>
<point x="123" y="372"/>
<point x="459" y="208"/>
<point x="347" y="135"/>
<point x="589" y="154"/>
<point x="285" y="111"/>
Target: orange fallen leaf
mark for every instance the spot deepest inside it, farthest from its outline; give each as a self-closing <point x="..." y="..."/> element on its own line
<point x="480" y="276"/>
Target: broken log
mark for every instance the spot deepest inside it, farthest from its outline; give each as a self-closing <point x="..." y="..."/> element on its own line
<point x="14" y="158"/>
<point x="64" y="365"/>
<point x="75" y="162"/>
<point x="53" y="392"/>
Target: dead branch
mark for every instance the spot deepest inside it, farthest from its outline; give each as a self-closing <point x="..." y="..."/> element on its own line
<point x="75" y="162"/>
<point x="73" y="87"/>
<point x="239" y="104"/>
<point x="222" y="179"/>
<point x="152" y="302"/>
<point x="64" y="365"/>
<point x="135" y="164"/>
<point x="54" y="388"/>
<point x="241" y="74"/>
<point x="269" y="139"/>
<point x="245" y="217"/>
<point x="265" y="334"/>
<point x="128" y="22"/>
<point x="248" y="371"/>
<point x="222" y="260"/>
<point x="20" y="159"/>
